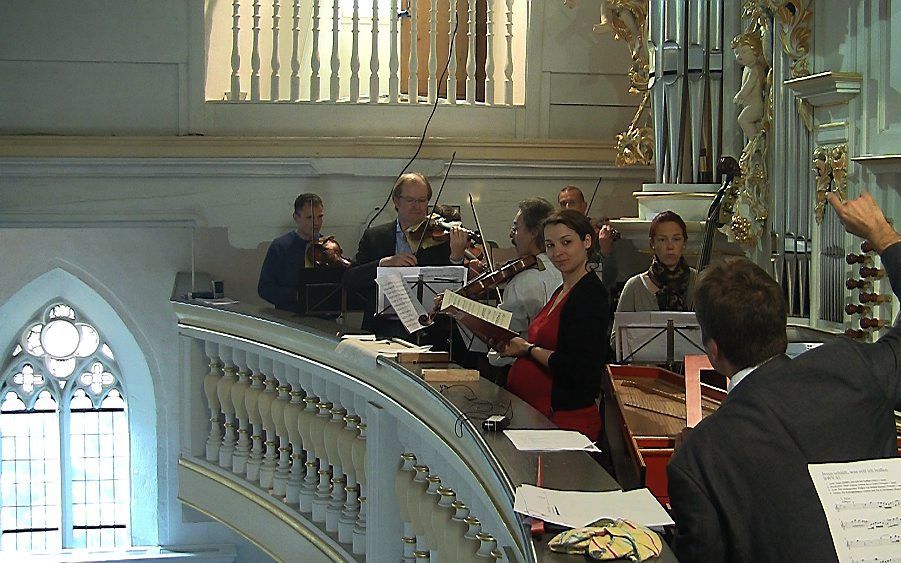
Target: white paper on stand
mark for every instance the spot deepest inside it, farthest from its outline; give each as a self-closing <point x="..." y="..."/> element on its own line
<point x="398" y="294"/>
<point x="580" y="508"/>
<point x="550" y="440"/>
<point x="862" y="502"/>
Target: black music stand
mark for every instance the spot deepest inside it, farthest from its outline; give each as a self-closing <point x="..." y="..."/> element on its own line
<point x="320" y="293"/>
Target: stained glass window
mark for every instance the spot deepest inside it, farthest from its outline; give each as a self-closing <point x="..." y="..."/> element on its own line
<point x="65" y="475"/>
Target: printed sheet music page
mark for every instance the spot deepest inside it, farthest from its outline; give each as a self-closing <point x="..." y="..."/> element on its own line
<point x="862" y="501"/>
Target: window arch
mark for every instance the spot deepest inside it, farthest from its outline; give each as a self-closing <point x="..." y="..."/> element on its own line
<point x="65" y="478"/>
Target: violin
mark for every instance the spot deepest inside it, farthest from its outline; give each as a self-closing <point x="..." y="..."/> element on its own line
<point x="488" y="281"/>
<point x="325" y="253"/>
<point x="436" y="230"/>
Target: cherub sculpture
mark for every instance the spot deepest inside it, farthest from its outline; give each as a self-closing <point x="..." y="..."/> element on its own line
<point x="749" y="54"/>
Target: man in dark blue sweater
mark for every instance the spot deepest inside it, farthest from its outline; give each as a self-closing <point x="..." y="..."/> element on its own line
<point x="280" y="274"/>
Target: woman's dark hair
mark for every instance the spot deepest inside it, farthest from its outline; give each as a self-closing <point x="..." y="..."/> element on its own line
<point x="667" y="217"/>
<point x="534" y="211"/>
<point x="578" y="222"/>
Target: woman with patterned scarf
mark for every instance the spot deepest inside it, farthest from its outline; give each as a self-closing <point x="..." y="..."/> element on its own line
<point x="669" y="283"/>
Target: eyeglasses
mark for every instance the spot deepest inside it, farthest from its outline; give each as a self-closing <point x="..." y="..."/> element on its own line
<point x="411" y="200"/>
<point x="513" y="229"/>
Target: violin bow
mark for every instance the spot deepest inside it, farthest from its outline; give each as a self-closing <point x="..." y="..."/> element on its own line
<point x="591" y="202"/>
<point x="434" y="205"/>
<point x="485" y="244"/>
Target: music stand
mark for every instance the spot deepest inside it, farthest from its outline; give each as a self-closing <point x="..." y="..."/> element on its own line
<point x="656" y="337"/>
<point x="425" y="283"/>
<point x="320" y="293"/>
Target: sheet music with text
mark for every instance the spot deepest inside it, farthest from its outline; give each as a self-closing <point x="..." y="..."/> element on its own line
<point x="493" y="315"/>
<point x="408" y="309"/>
<point x="862" y="502"/>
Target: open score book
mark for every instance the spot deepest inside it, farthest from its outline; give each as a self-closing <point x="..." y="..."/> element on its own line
<point x="485" y="321"/>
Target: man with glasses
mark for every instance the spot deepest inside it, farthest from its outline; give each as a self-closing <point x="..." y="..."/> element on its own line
<point x="280" y="274"/>
<point x="391" y="245"/>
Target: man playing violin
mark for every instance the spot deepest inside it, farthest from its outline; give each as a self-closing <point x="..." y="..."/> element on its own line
<point x="571" y="197"/>
<point x="529" y="290"/>
<point x="399" y="244"/>
<point x="280" y="274"/>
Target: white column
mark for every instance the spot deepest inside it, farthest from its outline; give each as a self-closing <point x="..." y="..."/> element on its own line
<point x="374" y="57"/>
<point x="433" y="51"/>
<point x="489" y="52"/>
<point x="274" y="63"/>
<point x="295" y="52"/>
<point x="452" y="64"/>
<point x="393" y="59"/>
<point x="355" y="55"/>
<point x="255" y="54"/>
<point x="471" y="56"/>
<point x="508" y="67"/>
<point x="314" y="56"/>
<point x="335" y="79"/>
<point x="234" y="94"/>
<point x="413" y="82"/>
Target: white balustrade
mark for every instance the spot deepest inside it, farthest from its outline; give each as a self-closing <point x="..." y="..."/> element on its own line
<point x="347" y="41"/>
<point x="295" y="432"/>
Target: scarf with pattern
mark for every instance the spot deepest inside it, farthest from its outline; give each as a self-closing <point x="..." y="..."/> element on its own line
<point x="673" y="284"/>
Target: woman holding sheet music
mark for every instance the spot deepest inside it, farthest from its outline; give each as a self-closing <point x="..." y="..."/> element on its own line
<point x="558" y="368"/>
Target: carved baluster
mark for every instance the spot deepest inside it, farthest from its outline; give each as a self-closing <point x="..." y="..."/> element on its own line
<point x="393" y="58"/>
<point x="223" y="391"/>
<point x="471" y="56"/>
<point x="334" y="83"/>
<point x="508" y="66"/>
<point x="452" y="63"/>
<point x="472" y="543"/>
<point x="433" y="52"/>
<point x="439" y="522"/>
<point x="293" y="412"/>
<point x="409" y="550"/>
<point x="295" y="51"/>
<point x="426" y="502"/>
<point x="282" y="437"/>
<point x="234" y="94"/>
<point x="348" y="514"/>
<point x="487" y="547"/>
<point x="355" y="54"/>
<point x="274" y="63"/>
<point x="267" y="416"/>
<point x="251" y="402"/>
<point x="314" y="56"/>
<point x="255" y="54"/>
<point x="210" y="385"/>
<point x="374" y="57"/>
<point x="402" y="490"/>
<point x="457" y="531"/>
<point x="489" y="52"/>
<point x="359" y="462"/>
<point x="317" y="432"/>
<point x="332" y="433"/>
<point x="239" y="392"/>
<point x="305" y="424"/>
<point x="420" y="484"/>
<point x="413" y="68"/>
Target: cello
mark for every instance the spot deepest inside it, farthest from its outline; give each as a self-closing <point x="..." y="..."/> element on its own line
<point x="720" y="211"/>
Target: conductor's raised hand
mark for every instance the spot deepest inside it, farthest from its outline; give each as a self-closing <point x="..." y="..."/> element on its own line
<point x="863" y="217"/>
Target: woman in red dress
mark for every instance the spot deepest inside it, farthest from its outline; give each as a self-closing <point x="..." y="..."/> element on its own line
<point x="558" y="369"/>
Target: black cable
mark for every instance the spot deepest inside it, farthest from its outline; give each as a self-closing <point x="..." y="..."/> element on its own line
<point x="480" y="410"/>
<point x="425" y="129"/>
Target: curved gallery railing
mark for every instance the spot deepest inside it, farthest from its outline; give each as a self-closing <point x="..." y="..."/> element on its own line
<point x="351" y="455"/>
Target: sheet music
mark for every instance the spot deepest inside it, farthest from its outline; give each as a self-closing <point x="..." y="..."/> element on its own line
<point x="435" y="279"/>
<point x="580" y="508"/>
<point x="862" y="502"/>
<point x="493" y="315"/>
<point x="400" y="296"/>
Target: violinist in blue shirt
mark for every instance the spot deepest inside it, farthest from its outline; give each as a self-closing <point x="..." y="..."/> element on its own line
<point x="280" y="274"/>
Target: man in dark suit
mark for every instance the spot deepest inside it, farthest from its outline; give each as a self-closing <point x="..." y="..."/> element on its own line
<point x="387" y="245"/>
<point x="739" y="487"/>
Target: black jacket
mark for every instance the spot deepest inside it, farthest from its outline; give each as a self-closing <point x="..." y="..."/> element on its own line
<point x="376" y="243"/>
<point x="739" y="487"/>
<point x="582" y="345"/>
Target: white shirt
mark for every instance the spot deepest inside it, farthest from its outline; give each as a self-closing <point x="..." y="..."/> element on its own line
<point x="524" y="296"/>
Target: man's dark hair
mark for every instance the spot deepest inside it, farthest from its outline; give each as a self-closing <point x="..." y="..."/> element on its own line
<point x="534" y="211"/>
<point x="576" y="189"/>
<point x="306" y="199"/>
<point x="742" y="308"/>
<point x="410" y="177"/>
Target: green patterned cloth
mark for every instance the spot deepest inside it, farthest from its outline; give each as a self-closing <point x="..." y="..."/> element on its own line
<point x="609" y="539"/>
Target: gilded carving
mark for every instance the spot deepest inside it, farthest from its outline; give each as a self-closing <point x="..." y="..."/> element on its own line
<point x="831" y="167"/>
